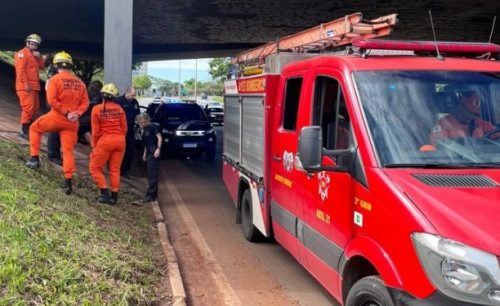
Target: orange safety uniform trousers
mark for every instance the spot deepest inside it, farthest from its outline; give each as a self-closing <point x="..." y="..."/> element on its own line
<point x="55" y="122"/>
<point x="30" y="105"/>
<point x="109" y="150"/>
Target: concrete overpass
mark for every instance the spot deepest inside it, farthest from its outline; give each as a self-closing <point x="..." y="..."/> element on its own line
<point x="170" y="29"/>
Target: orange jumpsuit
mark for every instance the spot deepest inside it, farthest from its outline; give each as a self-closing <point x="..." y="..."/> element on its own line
<point x="109" y="127"/>
<point x="65" y="94"/>
<point x="450" y="127"/>
<point x="27" y="69"/>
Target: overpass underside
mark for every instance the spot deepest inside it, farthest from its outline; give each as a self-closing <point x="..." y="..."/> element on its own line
<point x="200" y="28"/>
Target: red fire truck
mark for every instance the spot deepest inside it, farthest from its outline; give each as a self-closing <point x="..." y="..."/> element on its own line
<point x="377" y="168"/>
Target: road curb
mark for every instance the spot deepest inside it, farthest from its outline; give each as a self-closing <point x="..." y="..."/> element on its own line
<point x="174" y="274"/>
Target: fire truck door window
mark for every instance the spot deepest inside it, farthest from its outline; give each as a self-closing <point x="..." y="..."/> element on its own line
<point x="292" y="96"/>
<point x="330" y="113"/>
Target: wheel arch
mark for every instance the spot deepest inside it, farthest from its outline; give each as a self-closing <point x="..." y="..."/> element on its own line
<point x="242" y="186"/>
<point x="363" y="257"/>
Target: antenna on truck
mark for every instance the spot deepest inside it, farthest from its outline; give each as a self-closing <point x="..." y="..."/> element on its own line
<point x="492" y="28"/>
<point x="439" y="56"/>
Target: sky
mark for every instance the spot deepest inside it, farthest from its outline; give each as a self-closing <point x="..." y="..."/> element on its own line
<point x="169" y="70"/>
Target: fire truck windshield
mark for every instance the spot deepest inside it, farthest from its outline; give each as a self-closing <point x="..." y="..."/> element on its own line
<point x="432" y="118"/>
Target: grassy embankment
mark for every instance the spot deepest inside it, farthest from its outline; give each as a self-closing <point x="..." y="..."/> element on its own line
<point x="219" y="99"/>
<point x="66" y="250"/>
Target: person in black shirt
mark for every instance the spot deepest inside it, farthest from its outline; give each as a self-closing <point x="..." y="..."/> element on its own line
<point x="95" y="97"/>
<point x="131" y="108"/>
<point x="151" y="137"/>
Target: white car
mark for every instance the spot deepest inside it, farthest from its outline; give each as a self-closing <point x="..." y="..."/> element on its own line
<point x="213" y="104"/>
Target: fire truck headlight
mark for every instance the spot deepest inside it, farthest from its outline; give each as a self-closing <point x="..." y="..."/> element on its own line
<point x="459" y="271"/>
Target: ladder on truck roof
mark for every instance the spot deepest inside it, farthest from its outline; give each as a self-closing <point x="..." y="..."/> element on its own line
<point x="335" y="33"/>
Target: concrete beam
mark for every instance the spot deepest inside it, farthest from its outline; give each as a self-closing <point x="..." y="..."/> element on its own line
<point x="118" y="26"/>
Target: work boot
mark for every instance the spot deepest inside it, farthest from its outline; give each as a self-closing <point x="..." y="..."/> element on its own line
<point x="25" y="131"/>
<point x="33" y="163"/>
<point x="114" y="198"/>
<point x="147" y="199"/>
<point x="104" y="198"/>
<point x="67" y="188"/>
<point x="56" y="160"/>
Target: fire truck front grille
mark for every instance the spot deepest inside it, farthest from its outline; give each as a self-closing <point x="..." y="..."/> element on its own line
<point x="456" y="180"/>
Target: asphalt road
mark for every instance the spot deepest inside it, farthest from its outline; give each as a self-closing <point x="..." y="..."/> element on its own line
<point x="219" y="267"/>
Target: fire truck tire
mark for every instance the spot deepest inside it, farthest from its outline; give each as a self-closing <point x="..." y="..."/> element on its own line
<point x="251" y="233"/>
<point x="369" y="291"/>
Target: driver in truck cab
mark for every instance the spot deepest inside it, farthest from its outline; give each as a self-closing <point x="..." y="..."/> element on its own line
<point x="464" y="121"/>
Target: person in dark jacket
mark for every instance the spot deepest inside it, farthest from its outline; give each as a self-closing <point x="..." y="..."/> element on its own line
<point x="131" y="108"/>
<point x="151" y="138"/>
<point x="95" y="97"/>
<point x="53" y="140"/>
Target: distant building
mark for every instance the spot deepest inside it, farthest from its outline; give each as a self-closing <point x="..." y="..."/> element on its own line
<point x="141" y="70"/>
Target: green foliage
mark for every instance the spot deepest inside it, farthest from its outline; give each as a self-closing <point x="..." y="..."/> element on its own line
<point x="219" y="99"/>
<point x="215" y="88"/>
<point x="210" y="87"/>
<point x="141" y="83"/>
<point x="7" y="56"/>
<point x="166" y="87"/>
<point x="67" y="250"/>
<point x="220" y="68"/>
<point x="87" y="70"/>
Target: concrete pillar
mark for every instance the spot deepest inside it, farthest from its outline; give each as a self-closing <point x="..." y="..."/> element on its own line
<point x="118" y="22"/>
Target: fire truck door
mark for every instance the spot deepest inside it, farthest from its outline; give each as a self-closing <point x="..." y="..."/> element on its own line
<point x="326" y="197"/>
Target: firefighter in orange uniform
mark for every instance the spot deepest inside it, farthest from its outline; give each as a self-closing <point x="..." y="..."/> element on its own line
<point x="28" y="63"/>
<point x="464" y="121"/>
<point x="109" y="127"/>
<point x="68" y="99"/>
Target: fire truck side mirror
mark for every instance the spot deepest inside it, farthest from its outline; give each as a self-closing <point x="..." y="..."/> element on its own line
<point x="311" y="152"/>
<point x="310" y="148"/>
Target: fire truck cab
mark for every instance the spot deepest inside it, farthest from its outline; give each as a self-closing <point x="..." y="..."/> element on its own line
<point x="380" y="174"/>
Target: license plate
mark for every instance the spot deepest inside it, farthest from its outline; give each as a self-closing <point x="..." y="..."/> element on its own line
<point x="189" y="145"/>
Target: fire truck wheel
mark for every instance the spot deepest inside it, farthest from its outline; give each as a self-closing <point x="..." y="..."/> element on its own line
<point x="369" y="291"/>
<point x="251" y="233"/>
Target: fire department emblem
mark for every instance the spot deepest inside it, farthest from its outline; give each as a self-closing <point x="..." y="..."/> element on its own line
<point x="324" y="185"/>
<point x="288" y="161"/>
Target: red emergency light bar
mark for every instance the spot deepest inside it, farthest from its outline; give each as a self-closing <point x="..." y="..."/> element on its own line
<point x="428" y="46"/>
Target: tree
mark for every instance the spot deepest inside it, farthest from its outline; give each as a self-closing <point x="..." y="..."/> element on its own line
<point x="86" y="69"/>
<point x="141" y="83"/>
<point x="166" y="87"/>
<point x="220" y="68"/>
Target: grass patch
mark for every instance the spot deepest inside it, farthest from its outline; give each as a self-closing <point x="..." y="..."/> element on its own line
<point x="65" y="250"/>
<point x="219" y="99"/>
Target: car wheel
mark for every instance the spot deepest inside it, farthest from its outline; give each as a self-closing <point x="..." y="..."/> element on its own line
<point x="369" y="291"/>
<point x="251" y="233"/>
